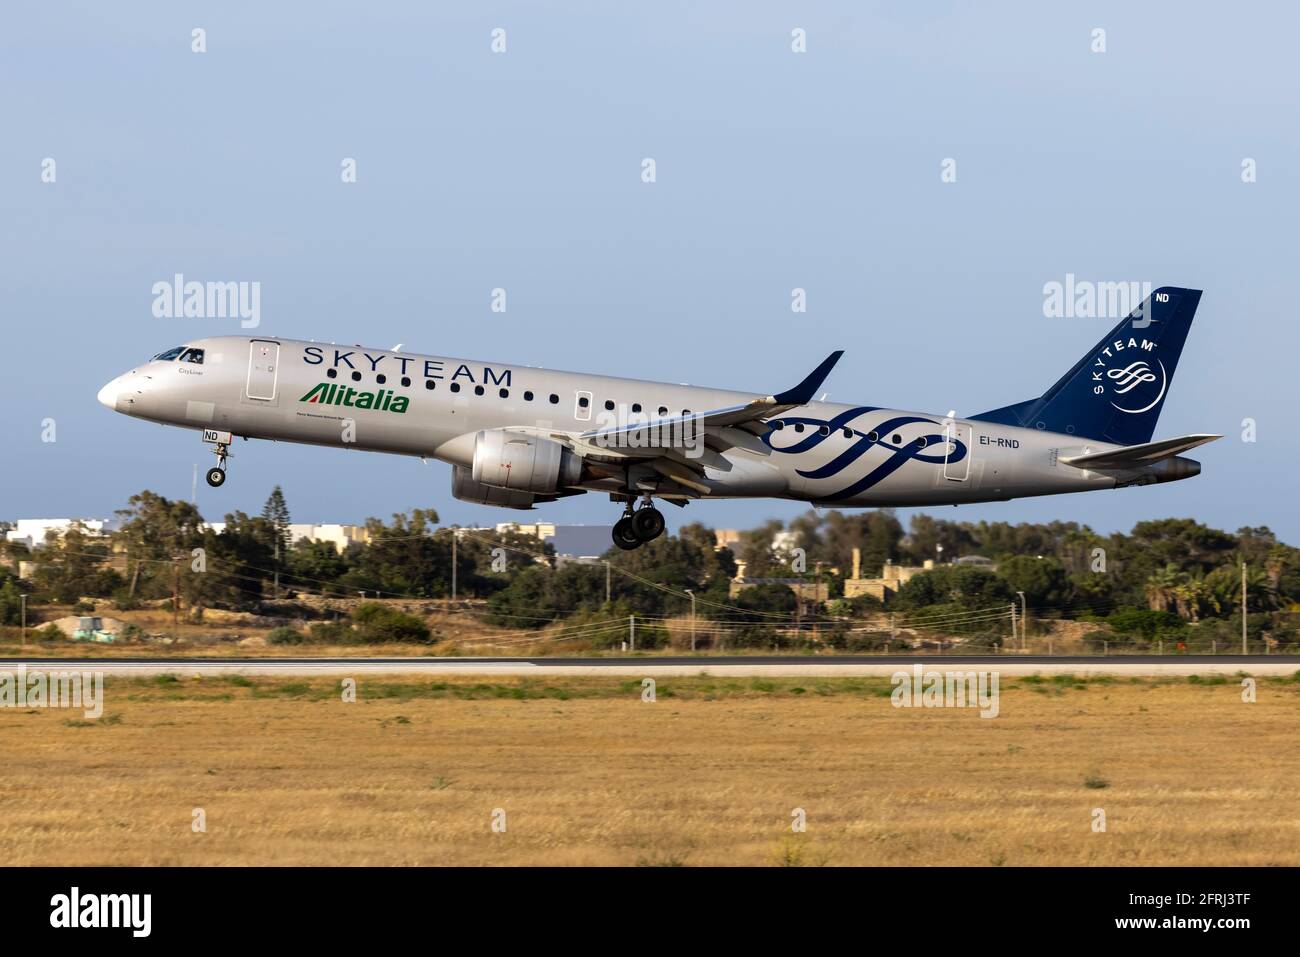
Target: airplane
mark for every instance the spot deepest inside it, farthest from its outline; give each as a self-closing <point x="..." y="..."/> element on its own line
<point x="516" y="436"/>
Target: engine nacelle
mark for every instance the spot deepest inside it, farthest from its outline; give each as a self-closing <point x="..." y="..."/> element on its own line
<point x="466" y="489"/>
<point x="523" y="463"/>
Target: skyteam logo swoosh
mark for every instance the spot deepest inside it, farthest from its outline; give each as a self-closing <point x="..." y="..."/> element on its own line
<point x="1135" y="375"/>
<point x="917" y="448"/>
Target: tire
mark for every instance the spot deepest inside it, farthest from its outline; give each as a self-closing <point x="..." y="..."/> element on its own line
<point x="216" y="477"/>
<point x="647" y="523"/>
<point x="623" y="535"/>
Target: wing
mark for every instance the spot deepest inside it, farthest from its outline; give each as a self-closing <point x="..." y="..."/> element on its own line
<point x="719" y="423"/>
<point x="681" y="448"/>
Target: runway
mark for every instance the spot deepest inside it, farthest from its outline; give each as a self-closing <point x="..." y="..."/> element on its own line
<point x="668" y="666"/>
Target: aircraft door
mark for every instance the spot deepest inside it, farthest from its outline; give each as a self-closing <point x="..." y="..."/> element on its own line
<point x="263" y="369"/>
<point x="957" y="451"/>
<point x="582" y="406"/>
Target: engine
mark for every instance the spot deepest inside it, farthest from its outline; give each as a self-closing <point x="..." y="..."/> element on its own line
<point x="523" y="463"/>
<point x="466" y="489"/>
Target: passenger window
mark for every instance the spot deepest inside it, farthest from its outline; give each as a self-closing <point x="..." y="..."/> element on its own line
<point x="798" y="426"/>
<point x="636" y="406"/>
<point x="825" y="430"/>
<point x="478" y="390"/>
<point x="609" y="405"/>
<point x="583" y="401"/>
<point x="528" y="397"/>
<point x="848" y="433"/>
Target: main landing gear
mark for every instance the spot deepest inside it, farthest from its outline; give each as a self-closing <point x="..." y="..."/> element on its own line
<point x="637" y="527"/>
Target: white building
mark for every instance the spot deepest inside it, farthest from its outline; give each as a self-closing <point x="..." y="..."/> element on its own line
<point x="32" y="531"/>
<point x="340" y="536"/>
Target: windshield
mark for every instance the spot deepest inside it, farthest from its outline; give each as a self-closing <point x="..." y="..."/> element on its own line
<point x="170" y="354"/>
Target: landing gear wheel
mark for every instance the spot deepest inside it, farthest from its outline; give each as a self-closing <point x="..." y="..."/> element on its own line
<point x="624" y="536"/>
<point x="216" y="477"/>
<point x="647" y="523"/>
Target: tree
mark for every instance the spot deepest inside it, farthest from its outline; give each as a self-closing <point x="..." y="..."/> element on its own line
<point x="969" y="589"/>
<point x="72" y="565"/>
<point x="155" y="531"/>
<point x="1043" y="580"/>
<point x="10" y="602"/>
<point x="404" y="558"/>
<point x="317" y="566"/>
<point x="276" y="514"/>
<point x="755" y="549"/>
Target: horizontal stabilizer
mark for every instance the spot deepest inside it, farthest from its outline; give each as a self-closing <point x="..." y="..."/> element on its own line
<point x="1136" y="456"/>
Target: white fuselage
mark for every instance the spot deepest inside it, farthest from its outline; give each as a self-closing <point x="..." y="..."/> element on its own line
<point x="434" y="406"/>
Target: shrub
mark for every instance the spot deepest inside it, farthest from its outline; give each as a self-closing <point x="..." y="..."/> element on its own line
<point x="124" y="601"/>
<point x="331" y="633"/>
<point x="379" y="624"/>
<point x="1145" y="624"/>
<point x="49" y="633"/>
<point x="284" y="635"/>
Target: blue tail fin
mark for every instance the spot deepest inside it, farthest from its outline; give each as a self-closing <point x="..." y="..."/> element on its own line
<point x="1115" y="392"/>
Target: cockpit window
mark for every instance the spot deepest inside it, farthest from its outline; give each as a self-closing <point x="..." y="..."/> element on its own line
<point x="193" y="355"/>
<point x="170" y="355"/>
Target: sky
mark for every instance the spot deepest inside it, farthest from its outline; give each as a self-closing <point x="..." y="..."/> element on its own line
<point x="522" y="170"/>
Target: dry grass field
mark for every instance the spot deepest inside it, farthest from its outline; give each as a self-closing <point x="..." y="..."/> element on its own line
<point x="710" y="773"/>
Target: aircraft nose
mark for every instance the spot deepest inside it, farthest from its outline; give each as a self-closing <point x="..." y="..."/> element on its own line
<point x="108" y="395"/>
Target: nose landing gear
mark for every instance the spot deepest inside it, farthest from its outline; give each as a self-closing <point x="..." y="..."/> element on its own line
<point x="216" y="476"/>
<point x="637" y="527"/>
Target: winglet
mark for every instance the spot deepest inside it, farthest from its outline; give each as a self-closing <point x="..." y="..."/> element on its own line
<point x="802" y="393"/>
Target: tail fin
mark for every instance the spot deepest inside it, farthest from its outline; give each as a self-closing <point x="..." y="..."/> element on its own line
<point x="1115" y="392"/>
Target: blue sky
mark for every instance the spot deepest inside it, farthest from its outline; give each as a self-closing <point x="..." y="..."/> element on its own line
<point x="521" y="170"/>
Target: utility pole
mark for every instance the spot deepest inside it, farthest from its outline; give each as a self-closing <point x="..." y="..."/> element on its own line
<point x="23" y="598"/>
<point x="1024" y="622"/>
<point x="1013" y="624"/>
<point x="607" y="593"/>
<point x="453" y="565"/>
<point x="692" y="594"/>
<point x="276" y="586"/>
<point x="176" y="590"/>
<point x="1243" y="608"/>
<point x="631" y="632"/>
